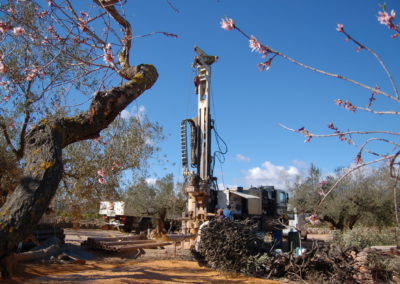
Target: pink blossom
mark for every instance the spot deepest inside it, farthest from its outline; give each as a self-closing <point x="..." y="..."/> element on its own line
<point x="265" y="65"/>
<point x="31" y="37"/>
<point x="358" y="159"/>
<point x="118" y="165"/>
<point x="83" y="24"/>
<point x="50" y="2"/>
<point x="6" y="98"/>
<point x="358" y="49"/>
<point x="338" y="102"/>
<point x="41" y="15"/>
<point x="84" y="14"/>
<point x="3" y="68"/>
<point x="102" y="180"/>
<point x="108" y="56"/>
<point x="34" y="72"/>
<point x="340" y="28"/>
<point x="227" y="24"/>
<point x="30" y="77"/>
<point x="31" y="126"/>
<point x="349" y="106"/>
<point x="102" y="173"/>
<point x="385" y="19"/>
<point x="4" y="27"/>
<point x="18" y="31"/>
<point x="308" y="139"/>
<point x="254" y="44"/>
<point x="4" y="83"/>
<point x="313" y="219"/>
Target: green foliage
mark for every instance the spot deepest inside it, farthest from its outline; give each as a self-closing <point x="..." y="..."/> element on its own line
<point x="163" y="197"/>
<point x="360" y="198"/>
<point x="364" y="237"/>
<point x="125" y="143"/>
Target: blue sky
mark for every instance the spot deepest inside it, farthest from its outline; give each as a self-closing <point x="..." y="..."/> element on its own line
<point x="247" y="104"/>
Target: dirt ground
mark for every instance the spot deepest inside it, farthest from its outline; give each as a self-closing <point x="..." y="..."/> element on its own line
<point x="168" y="265"/>
<point x="140" y="271"/>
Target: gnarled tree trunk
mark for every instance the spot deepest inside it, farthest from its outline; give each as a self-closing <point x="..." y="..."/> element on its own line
<point x="43" y="159"/>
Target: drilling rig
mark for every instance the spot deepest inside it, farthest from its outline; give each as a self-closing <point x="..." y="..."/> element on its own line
<point x="200" y="184"/>
<point x="264" y="204"/>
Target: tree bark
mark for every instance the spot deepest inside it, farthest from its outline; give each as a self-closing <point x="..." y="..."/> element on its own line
<point x="43" y="159"/>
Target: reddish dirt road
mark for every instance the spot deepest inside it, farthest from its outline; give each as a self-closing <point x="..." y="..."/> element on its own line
<point x="156" y="271"/>
<point x="156" y="266"/>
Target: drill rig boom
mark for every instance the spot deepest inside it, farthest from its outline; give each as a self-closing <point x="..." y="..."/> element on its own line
<point x="201" y="181"/>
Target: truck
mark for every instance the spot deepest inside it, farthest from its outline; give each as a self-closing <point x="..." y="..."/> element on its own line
<point x="265" y="203"/>
<point x="296" y="223"/>
<point x="117" y="214"/>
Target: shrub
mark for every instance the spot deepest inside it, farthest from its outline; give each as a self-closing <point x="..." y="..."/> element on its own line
<point x="364" y="237"/>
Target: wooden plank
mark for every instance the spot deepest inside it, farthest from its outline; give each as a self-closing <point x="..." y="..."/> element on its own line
<point x="143" y="246"/>
<point x="178" y="238"/>
<point x="136" y="237"/>
<point x="121" y="243"/>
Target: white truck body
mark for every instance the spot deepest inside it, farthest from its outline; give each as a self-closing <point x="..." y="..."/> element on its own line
<point x="115" y="208"/>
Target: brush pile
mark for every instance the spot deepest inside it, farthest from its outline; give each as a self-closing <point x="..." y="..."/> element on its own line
<point x="235" y="247"/>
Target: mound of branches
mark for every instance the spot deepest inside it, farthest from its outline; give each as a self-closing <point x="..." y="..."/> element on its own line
<point x="234" y="247"/>
<point x="231" y="246"/>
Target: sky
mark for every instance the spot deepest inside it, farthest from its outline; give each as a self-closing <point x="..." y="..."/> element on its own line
<point x="248" y="105"/>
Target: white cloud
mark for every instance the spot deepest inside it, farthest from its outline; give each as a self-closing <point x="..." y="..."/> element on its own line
<point x="151" y="181"/>
<point x="125" y="114"/>
<point x="270" y="174"/>
<point x="139" y="112"/>
<point x="149" y="141"/>
<point x="242" y="158"/>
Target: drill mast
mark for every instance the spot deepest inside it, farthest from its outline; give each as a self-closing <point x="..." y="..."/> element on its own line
<point x="201" y="181"/>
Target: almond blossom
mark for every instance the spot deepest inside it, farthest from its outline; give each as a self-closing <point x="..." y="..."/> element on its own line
<point x="102" y="173"/>
<point x="18" y="31"/>
<point x="254" y="44"/>
<point x="108" y="56"/>
<point x="385" y="19"/>
<point x="102" y="181"/>
<point x="4" y="27"/>
<point x="6" y="98"/>
<point x="340" y="28"/>
<point x="227" y="24"/>
<point x="313" y="219"/>
<point x="265" y="65"/>
<point x="118" y="165"/>
<point x="358" y="159"/>
<point x="3" y="68"/>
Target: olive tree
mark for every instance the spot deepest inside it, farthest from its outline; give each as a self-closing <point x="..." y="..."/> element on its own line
<point x="363" y="197"/>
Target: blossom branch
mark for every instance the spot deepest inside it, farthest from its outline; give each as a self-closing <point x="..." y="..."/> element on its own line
<point x="378" y="58"/>
<point x="229" y="24"/>
<point x="347" y="174"/>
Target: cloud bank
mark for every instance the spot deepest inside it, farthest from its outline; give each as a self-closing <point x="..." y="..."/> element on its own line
<point x="270" y="174"/>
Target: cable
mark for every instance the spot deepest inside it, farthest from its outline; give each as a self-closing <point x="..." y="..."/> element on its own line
<point x="220" y="153"/>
